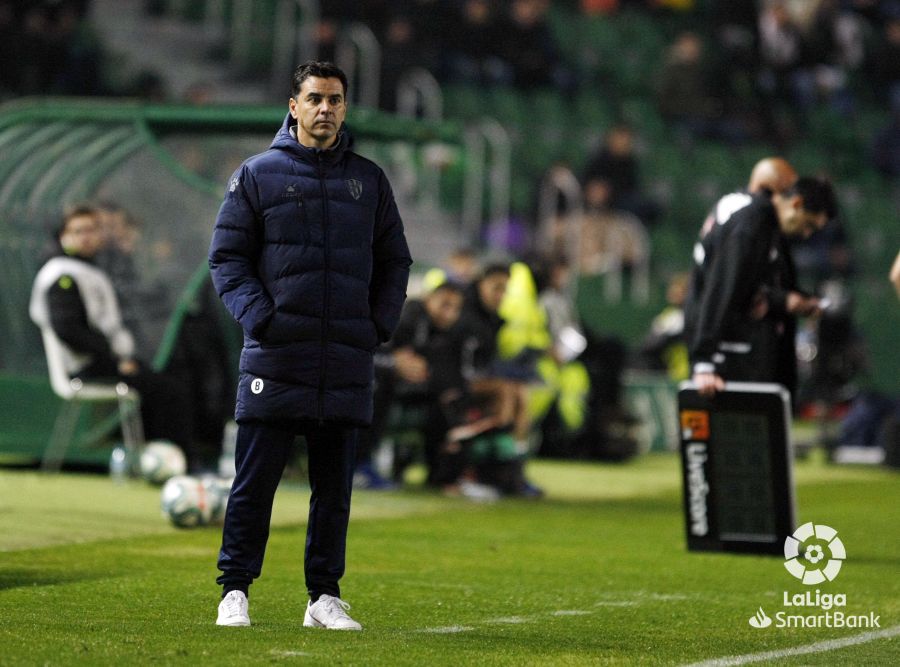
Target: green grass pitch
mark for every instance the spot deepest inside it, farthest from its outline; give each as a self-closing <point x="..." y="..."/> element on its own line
<point x="595" y="574"/>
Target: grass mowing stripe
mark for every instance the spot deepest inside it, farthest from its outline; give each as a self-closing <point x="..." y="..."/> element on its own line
<point x="818" y="647"/>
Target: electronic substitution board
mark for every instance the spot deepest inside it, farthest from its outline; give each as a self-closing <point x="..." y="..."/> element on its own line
<point x="737" y="459"/>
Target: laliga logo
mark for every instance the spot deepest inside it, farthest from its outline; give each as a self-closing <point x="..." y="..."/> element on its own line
<point x="812" y="567"/>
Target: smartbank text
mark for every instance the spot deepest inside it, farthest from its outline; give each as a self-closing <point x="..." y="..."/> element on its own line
<point x="830" y="619"/>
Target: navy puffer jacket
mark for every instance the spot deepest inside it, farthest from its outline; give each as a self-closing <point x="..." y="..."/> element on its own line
<point x="309" y="256"/>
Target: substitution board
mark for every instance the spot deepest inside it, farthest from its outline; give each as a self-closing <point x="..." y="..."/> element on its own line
<point x="737" y="459"/>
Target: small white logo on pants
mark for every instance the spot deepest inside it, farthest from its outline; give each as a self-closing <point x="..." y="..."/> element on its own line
<point x="256" y="386"/>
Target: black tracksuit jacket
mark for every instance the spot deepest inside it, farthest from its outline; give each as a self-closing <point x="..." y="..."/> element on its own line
<point x="743" y="258"/>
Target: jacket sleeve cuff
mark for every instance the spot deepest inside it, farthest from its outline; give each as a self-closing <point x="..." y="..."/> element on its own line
<point x="704" y="367"/>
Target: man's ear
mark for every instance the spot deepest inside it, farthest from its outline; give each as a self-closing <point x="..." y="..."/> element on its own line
<point x="292" y="107"/>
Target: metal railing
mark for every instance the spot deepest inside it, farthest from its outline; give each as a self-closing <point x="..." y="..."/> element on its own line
<point x="359" y="55"/>
<point x="486" y="134"/>
<point x="292" y="39"/>
<point x="241" y="33"/>
<point x="419" y="89"/>
<point x="560" y="181"/>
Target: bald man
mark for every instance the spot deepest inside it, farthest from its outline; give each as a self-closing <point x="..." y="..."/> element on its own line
<point x="743" y="301"/>
<point x="772" y="174"/>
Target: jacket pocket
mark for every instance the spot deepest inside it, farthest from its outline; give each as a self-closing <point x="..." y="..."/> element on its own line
<point x="287" y="224"/>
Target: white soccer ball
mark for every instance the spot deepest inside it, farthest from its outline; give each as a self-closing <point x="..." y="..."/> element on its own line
<point x="217" y="490"/>
<point x="161" y="460"/>
<point x="185" y="502"/>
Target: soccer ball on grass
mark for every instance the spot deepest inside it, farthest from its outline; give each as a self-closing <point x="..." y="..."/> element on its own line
<point x="185" y="502"/>
<point x="161" y="460"/>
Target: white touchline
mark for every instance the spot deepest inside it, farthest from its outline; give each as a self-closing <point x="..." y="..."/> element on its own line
<point x="818" y="647"/>
<point x="450" y="629"/>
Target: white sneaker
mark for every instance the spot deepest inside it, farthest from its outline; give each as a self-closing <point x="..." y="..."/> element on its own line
<point x="233" y="610"/>
<point x="480" y="493"/>
<point x="329" y="612"/>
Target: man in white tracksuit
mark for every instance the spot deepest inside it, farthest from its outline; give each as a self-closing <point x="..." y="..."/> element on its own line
<point x="75" y="301"/>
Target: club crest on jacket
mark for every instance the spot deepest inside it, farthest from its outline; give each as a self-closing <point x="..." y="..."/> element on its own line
<point x="355" y="187"/>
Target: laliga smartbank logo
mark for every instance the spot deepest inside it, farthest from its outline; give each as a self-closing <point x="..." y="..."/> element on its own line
<point x="814" y="554"/>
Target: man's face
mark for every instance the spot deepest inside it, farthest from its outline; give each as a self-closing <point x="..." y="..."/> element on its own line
<point x="319" y="109"/>
<point x="795" y="220"/>
<point x="443" y="308"/>
<point x="82" y="236"/>
<point x="491" y="290"/>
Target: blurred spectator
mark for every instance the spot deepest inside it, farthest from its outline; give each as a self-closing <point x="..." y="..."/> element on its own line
<point x="471" y="54"/>
<point x="51" y="49"/>
<point x="75" y="300"/>
<point x="145" y="303"/>
<point x="489" y="384"/>
<point x="529" y="45"/>
<point x="336" y="14"/>
<point x="883" y="63"/>
<point x="399" y="52"/>
<point x="835" y="48"/>
<point x="664" y="347"/>
<point x="413" y="37"/>
<point x="611" y="241"/>
<point x="77" y="56"/>
<point x="460" y="268"/>
<point x="690" y="93"/>
<point x="616" y="165"/>
<point x="420" y="368"/>
<point x="786" y="78"/>
<point x="561" y="401"/>
<point x="590" y="421"/>
<point x="886" y="144"/>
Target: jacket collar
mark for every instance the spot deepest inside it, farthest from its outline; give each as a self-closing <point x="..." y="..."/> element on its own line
<point x="286" y="139"/>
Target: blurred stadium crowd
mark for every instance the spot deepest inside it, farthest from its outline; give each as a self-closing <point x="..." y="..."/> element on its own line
<point x="493" y="362"/>
<point x="730" y="70"/>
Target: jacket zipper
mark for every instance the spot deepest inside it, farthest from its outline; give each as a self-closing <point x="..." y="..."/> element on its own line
<point x="323" y="365"/>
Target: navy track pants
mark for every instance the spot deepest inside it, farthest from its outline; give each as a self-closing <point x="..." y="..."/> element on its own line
<point x="260" y="456"/>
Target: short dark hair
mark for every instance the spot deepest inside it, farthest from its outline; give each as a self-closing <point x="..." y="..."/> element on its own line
<point x="447" y="286"/>
<point x="318" y="68"/>
<point x="75" y="211"/>
<point x="494" y="269"/>
<point x="818" y="195"/>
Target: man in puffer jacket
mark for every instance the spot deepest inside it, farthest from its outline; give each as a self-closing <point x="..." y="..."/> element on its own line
<point x="309" y="256"/>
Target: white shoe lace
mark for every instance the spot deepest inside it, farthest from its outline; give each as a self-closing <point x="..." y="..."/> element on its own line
<point x="233" y="605"/>
<point x="337" y="607"/>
